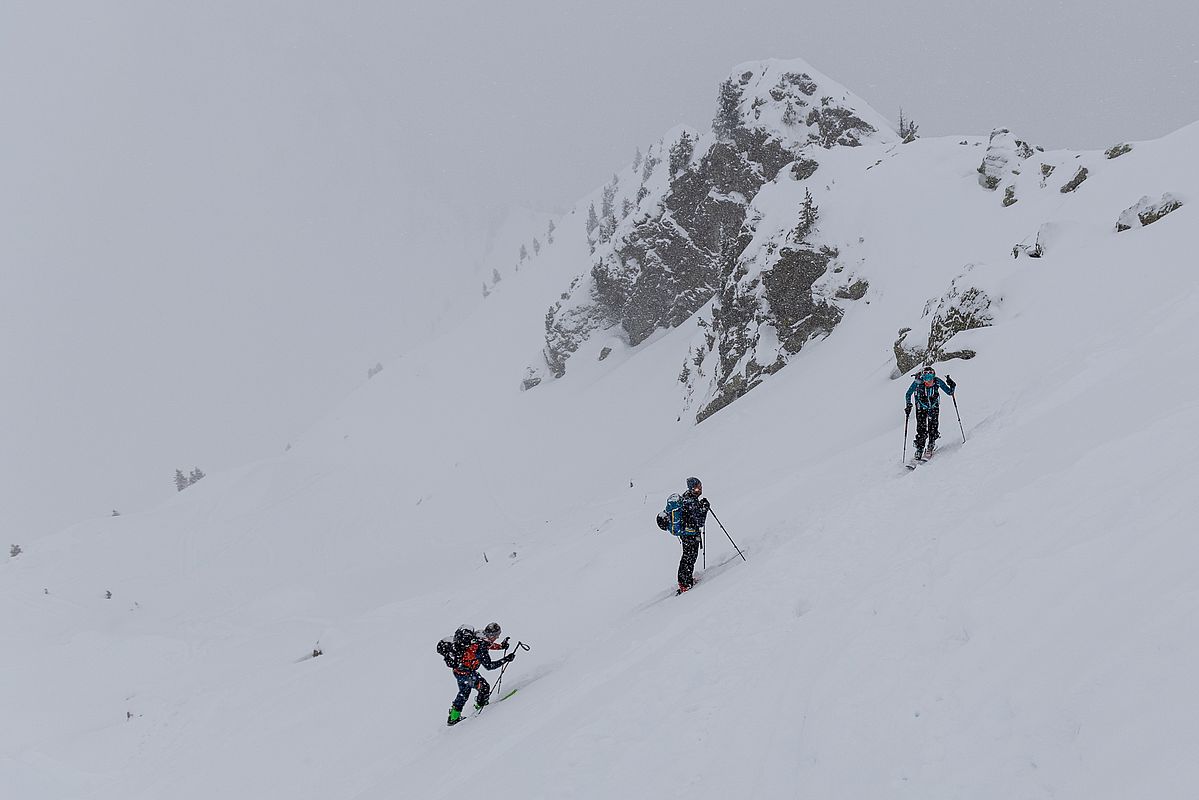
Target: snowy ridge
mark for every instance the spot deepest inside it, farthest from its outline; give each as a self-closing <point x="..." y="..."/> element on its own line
<point x="1016" y="619"/>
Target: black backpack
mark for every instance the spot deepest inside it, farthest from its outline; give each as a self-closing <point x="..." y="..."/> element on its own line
<point x="451" y="648"/>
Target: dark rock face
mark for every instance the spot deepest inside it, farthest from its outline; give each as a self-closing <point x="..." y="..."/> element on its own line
<point x="1147" y="211"/>
<point x="681" y="248"/>
<point x="1117" y="150"/>
<point x="965" y="306"/>
<point x="1076" y="181"/>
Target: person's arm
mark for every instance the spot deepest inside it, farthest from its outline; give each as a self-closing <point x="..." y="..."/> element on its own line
<point x="948" y="389"/>
<point x="907" y="398"/>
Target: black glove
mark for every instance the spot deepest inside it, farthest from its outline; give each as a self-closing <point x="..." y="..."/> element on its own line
<point x="504" y="644"/>
<point x="950" y="382"/>
<point x="907" y="410"/>
<point x="704" y="504"/>
<point x="508" y="659"/>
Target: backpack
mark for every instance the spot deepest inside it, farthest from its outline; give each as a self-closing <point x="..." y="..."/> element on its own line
<point x="445" y="649"/>
<point x="451" y="648"/>
<point x="671" y="519"/>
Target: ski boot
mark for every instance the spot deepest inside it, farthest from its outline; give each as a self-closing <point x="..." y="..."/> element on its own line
<point x="455" y="717"/>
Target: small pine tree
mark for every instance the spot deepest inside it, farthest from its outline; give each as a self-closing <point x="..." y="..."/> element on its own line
<point x="907" y="129"/>
<point x="524" y="253"/>
<point x="549" y="233"/>
<point x="790" y="116"/>
<point x="680" y="153"/>
<point x="626" y="208"/>
<point x="592" y="220"/>
<point x="196" y="474"/>
<point x="536" y="247"/>
<point x="606" y="202"/>
<point x="180" y="480"/>
<point x="807" y="217"/>
<point x="15" y="551"/>
<point x="486" y="291"/>
<point x="728" y="112"/>
<point x="495" y="277"/>
<point x="637" y="160"/>
<point x="647" y="168"/>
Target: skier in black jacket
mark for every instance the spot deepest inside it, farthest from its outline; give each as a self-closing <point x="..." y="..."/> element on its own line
<point x="695" y="514"/>
<point x="471" y="651"/>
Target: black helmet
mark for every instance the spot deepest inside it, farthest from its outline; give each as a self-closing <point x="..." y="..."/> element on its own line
<point x="492" y="631"/>
<point x="693" y="483"/>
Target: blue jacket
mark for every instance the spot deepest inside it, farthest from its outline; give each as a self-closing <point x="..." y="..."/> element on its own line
<point x="927" y="398"/>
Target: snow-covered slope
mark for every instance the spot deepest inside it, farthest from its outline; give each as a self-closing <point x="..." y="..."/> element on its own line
<point x="1016" y="618"/>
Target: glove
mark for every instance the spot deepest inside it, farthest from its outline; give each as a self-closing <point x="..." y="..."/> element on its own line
<point x="907" y="410"/>
<point x="704" y="504"/>
<point x="950" y="382"/>
<point x="504" y="644"/>
<point x="508" y="659"/>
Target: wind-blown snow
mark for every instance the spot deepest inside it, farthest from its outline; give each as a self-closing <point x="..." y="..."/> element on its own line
<point x="1017" y="618"/>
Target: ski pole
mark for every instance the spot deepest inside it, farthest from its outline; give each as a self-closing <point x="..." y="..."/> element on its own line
<point x="503" y="669"/>
<point x="959" y="413"/>
<point x="703" y="541"/>
<point x="726" y="533"/>
<point x="907" y="416"/>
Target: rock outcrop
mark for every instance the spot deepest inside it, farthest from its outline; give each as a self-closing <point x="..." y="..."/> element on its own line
<point x="965" y="306"/>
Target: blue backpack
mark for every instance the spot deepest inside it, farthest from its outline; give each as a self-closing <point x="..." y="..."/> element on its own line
<point x="671" y="519"/>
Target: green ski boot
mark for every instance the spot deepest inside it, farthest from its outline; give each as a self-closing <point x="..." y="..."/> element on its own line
<point x="455" y="717"/>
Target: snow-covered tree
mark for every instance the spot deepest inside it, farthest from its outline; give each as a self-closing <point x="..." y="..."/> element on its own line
<point x="637" y="159"/>
<point x="536" y="247"/>
<point x="592" y="220"/>
<point x="495" y="277"/>
<point x="549" y="233"/>
<point x="907" y="128"/>
<point x="524" y="253"/>
<point x="728" y="114"/>
<point x="647" y="168"/>
<point x="180" y="481"/>
<point x="680" y="154"/>
<point x="626" y="208"/>
<point x="15" y="551"/>
<point x="196" y="474"/>
<point x="606" y="202"/>
<point x="807" y="218"/>
<point x="790" y="116"/>
<point x="486" y="291"/>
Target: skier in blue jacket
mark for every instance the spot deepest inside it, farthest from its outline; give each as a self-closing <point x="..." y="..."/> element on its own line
<point x="927" y="390"/>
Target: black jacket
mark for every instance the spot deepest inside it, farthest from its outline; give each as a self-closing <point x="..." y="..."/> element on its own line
<point x="694" y="514"/>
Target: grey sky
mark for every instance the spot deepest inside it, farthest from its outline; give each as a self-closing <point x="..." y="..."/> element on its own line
<point x="215" y="216"/>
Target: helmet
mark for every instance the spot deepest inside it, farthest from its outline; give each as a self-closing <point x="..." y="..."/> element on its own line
<point x="492" y="631"/>
<point x="693" y="483"/>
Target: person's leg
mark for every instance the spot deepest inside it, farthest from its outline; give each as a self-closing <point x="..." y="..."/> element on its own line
<point x="921" y="429"/>
<point x="465" y="684"/>
<point x="687" y="562"/>
<point x="934" y="426"/>
<point x="484" y="691"/>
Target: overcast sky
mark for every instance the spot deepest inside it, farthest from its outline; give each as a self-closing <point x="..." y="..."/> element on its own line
<point x="215" y="216"/>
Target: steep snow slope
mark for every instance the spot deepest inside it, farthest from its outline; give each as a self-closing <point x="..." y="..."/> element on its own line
<point x="1015" y="619"/>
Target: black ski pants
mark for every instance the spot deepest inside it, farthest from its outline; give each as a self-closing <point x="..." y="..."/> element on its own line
<point x="927" y="426"/>
<point x="691" y="543"/>
<point x="471" y="680"/>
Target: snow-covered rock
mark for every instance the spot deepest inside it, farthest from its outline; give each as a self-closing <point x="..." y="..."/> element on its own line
<point x="1147" y="211"/>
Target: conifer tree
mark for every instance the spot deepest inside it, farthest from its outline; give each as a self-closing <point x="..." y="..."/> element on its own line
<point x="196" y="474"/>
<point x="536" y="247"/>
<point x="907" y="129"/>
<point x="637" y="160"/>
<point x="592" y="220"/>
<point x="524" y="253"/>
<point x="728" y="113"/>
<point x="495" y="277"/>
<point x="680" y="154"/>
<point x="549" y="233"/>
<point x="486" y="291"/>
<point x="180" y="481"/>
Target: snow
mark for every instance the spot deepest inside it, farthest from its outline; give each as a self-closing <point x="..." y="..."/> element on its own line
<point x="1018" y="618"/>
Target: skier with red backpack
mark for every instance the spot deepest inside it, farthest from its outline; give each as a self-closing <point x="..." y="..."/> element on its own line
<point x="464" y="653"/>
